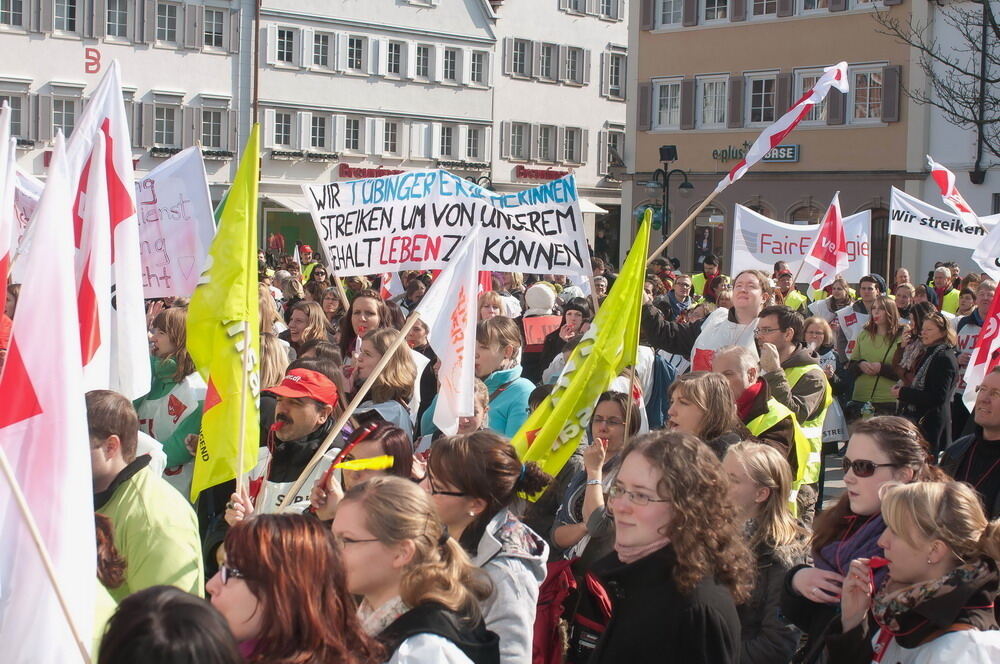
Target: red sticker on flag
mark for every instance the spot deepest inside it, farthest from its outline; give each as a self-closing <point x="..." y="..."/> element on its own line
<point x="175" y="408"/>
<point x="702" y="360"/>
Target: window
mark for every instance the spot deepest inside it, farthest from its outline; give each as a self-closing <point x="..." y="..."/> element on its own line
<point x="11" y="12"/>
<point x="211" y="129"/>
<point x="166" y="22"/>
<point x="814" y="5"/>
<point x="63" y="116"/>
<point x="472" y="142"/>
<point x="616" y="144"/>
<point x="574" y="65"/>
<point x="477" y="73"/>
<point x="355" y="53"/>
<point x="761" y="98"/>
<point x="716" y="10"/>
<point x="711" y="102"/>
<point x="394" y="58"/>
<point x="65" y="17"/>
<point x="163" y="126"/>
<point x="424" y="61"/>
<point x="765" y="7"/>
<point x="286" y="45"/>
<point x="671" y="12"/>
<point x="578" y="5"/>
<point x="571" y="146"/>
<point x="450" y="72"/>
<point x="214" y="19"/>
<point x="16" y="104"/>
<point x="805" y="215"/>
<point x="352" y="134"/>
<point x="616" y="75"/>
<point x="390" y="138"/>
<point x="317" y="138"/>
<point x="283" y="129"/>
<point x="668" y="105"/>
<point x="996" y="204"/>
<point x="546" y="143"/>
<point x="866" y="92"/>
<point x="321" y="50"/>
<point x="805" y="81"/>
<point x="609" y="9"/>
<point x="519" y="141"/>
<point x="117" y="25"/>
<point x="447" y="141"/>
<point x="547" y="58"/>
<point x="521" y="58"/>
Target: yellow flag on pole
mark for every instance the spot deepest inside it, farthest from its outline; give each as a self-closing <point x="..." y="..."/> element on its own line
<point x="223" y="333"/>
<point x="552" y="433"/>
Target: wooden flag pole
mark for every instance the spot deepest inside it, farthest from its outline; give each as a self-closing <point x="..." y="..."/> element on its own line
<point x="351" y="407"/>
<point x="677" y="231"/>
<point x="241" y="450"/>
<point x="343" y="293"/>
<point x="43" y="553"/>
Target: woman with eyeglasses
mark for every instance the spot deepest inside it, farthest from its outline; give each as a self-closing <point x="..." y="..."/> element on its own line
<point x="420" y="593"/>
<point x="927" y="399"/>
<point x="938" y="602"/>
<point x="679" y="566"/>
<point x="284" y="593"/>
<point x="701" y="403"/>
<point x="881" y="450"/>
<point x="332" y="307"/>
<point x="473" y="480"/>
<point x="582" y="526"/>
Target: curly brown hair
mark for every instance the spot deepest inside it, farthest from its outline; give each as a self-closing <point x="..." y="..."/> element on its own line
<point x="703" y="529"/>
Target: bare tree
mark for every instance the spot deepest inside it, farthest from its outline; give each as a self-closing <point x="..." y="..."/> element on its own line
<point x="963" y="80"/>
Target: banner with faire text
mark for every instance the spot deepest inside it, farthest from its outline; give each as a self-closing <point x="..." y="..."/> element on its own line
<point x="176" y="225"/>
<point x="913" y="218"/>
<point x="759" y="242"/>
<point x="415" y="220"/>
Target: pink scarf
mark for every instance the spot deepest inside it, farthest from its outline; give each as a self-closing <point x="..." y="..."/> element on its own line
<point x="628" y="554"/>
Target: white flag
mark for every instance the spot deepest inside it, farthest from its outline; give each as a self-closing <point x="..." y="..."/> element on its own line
<point x="450" y="311"/>
<point x="8" y="176"/>
<point x="109" y="272"/>
<point x="43" y="433"/>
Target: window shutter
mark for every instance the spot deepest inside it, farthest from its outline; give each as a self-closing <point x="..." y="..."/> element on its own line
<point x="234" y="126"/>
<point x="584" y="145"/>
<point x="605" y="73"/>
<point x="378" y="137"/>
<point x="645" y="106"/>
<point x="891" y="77"/>
<point x="782" y="94"/>
<point x="339" y="132"/>
<point x="838" y="5"/>
<point x="199" y="118"/>
<point x="688" y="103"/>
<point x="508" y="55"/>
<point x="689" y="13"/>
<point x="87" y="24"/>
<point x="836" y="107"/>
<point x="270" y="45"/>
<point x="563" y="55"/>
<point x="592" y="7"/>
<point x="465" y="66"/>
<point x="737" y="10"/>
<point x="560" y="150"/>
<point x="734" y="114"/>
<point x="533" y="131"/>
<point x="785" y="7"/>
<point x="343" y="41"/>
<point x="193" y="17"/>
<point x="149" y="22"/>
<point x="46" y="16"/>
<point x="305" y="54"/>
<point x="890" y="3"/>
<point x="586" y="67"/>
<point x="305" y="130"/>
<point x="187" y="127"/>
<point x="148" y="122"/>
<point x="100" y="26"/>
<point x="410" y="66"/>
<point x="379" y="56"/>
<point x="602" y="152"/>
<point x="437" y="63"/>
<point x="268" y="128"/>
<point x="536" y="59"/>
<point x="435" y="140"/>
<point x="45" y="117"/>
<point x="563" y="4"/>
<point x="620" y="10"/>
<point x="130" y="119"/>
<point x="504" y="139"/>
<point x="234" y="31"/>
<point x="647" y="19"/>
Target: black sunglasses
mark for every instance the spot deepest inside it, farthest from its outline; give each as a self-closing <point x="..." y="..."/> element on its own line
<point x="226" y="572"/>
<point x="864" y="467"/>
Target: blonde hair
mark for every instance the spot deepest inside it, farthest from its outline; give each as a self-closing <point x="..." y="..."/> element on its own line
<point x="173" y="323"/>
<point x="273" y="360"/>
<point x="776" y="528"/>
<point x="397" y="510"/>
<point x="823" y="324"/>
<point x="499" y="331"/>
<point x="395" y="382"/>
<point x="492" y="298"/>
<point x="268" y="309"/>
<point x="948" y="511"/>
<point x="711" y="394"/>
<point x="317" y="326"/>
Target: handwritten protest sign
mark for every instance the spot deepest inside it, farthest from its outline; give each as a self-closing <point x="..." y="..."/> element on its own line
<point x="415" y="220"/>
<point x="176" y="225"/>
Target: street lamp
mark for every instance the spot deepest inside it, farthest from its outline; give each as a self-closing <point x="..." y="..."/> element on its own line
<point x="661" y="176"/>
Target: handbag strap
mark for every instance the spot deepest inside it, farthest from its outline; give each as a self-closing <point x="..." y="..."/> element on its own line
<point x="879" y="376"/>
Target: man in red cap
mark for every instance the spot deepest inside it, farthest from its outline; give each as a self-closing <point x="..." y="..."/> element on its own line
<point x="308" y="261"/>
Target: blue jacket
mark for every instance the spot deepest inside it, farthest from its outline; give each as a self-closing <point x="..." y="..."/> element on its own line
<point x="508" y="409"/>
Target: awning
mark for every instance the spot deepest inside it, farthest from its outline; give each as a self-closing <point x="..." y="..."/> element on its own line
<point x="588" y="207"/>
<point x="291" y="201"/>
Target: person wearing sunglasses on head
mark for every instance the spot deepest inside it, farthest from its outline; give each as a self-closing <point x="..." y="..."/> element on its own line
<point x="881" y="449"/>
<point x="976" y="458"/>
<point x="283" y="591"/>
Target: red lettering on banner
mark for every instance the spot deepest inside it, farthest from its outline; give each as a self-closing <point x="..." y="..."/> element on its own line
<point x="91" y="60"/>
<point x="406" y="248"/>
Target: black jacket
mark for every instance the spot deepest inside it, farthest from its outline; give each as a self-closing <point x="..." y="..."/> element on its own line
<point x="956" y="462"/>
<point x="930" y="408"/>
<point x="668" y="335"/>
<point x="767" y="636"/>
<point x="652" y="621"/>
<point x="472" y="638"/>
<point x="811" y="617"/>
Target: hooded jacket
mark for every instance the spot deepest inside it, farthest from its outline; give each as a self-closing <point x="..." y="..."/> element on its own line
<point x="807" y="397"/>
<point x="432" y="633"/>
<point x="509" y="394"/>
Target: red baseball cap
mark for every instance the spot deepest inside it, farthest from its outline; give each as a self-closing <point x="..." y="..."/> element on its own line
<point x="784" y="273"/>
<point x="306" y="247"/>
<point x="299" y="383"/>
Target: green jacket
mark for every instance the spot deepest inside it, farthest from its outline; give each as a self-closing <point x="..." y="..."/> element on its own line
<point x="156" y="531"/>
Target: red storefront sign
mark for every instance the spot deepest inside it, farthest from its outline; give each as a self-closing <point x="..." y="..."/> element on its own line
<point x="353" y="172"/>
<point x="538" y="173"/>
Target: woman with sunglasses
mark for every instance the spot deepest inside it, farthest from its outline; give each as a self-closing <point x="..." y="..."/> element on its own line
<point x="679" y="565"/>
<point x="420" y="594"/>
<point x="283" y="591"/>
<point x="473" y="480"/>
<point x="938" y="603"/>
<point x="881" y="450"/>
<point x="582" y="527"/>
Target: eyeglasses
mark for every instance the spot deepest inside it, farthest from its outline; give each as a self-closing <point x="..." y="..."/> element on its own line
<point x="766" y="330"/>
<point x="226" y="572"/>
<point x="637" y="499"/>
<point x="991" y="392"/>
<point x="864" y="467"/>
<point x="610" y="421"/>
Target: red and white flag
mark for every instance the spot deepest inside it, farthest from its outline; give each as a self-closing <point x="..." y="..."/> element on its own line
<point x="833" y="77"/>
<point x="390" y="285"/>
<point x="985" y="355"/>
<point x="945" y="181"/>
<point x="450" y="311"/>
<point x="829" y="253"/>
<point x="115" y="348"/>
<point x="8" y="177"/>
<point x="43" y="433"/>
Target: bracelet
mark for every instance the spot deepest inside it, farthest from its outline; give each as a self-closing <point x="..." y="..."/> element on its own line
<point x="593" y="482"/>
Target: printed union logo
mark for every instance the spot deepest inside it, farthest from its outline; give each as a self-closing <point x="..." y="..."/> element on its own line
<point x="990" y="328"/>
<point x="293" y="377"/>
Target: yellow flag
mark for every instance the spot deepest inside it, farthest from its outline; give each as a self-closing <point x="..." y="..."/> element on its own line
<point x="554" y="430"/>
<point x="223" y="333"/>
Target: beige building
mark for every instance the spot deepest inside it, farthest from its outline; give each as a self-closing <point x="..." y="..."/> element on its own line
<point x="710" y="75"/>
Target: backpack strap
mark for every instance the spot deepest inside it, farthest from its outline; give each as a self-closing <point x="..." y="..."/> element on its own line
<point x="500" y="390"/>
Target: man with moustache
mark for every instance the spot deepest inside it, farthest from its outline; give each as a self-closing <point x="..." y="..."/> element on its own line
<point x="976" y="458"/>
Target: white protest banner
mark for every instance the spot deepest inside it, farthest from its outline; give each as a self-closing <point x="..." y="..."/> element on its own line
<point x="913" y="218"/>
<point x="176" y="224"/>
<point x="759" y="241"/>
<point x="415" y="220"/>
